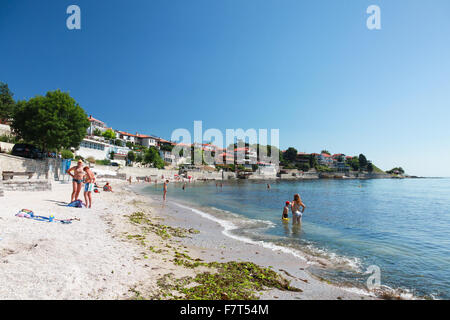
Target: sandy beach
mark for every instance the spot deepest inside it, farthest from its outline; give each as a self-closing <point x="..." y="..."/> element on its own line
<point x="106" y="255"/>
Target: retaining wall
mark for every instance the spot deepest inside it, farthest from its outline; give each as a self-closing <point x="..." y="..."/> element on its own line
<point x="27" y="185"/>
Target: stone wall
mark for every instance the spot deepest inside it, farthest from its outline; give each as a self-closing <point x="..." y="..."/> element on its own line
<point x="27" y="185"/>
<point x="19" y="164"/>
<point x="6" y="147"/>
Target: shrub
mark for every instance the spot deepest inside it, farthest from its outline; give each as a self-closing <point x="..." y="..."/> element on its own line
<point x="104" y="162"/>
<point x="66" y="154"/>
<point x="90" y="159"/>
<point x="303" y="166"/>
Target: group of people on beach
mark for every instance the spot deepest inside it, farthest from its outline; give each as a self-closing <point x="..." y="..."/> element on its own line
<point x="297" y="207"/>
<point x="83" y="175"/>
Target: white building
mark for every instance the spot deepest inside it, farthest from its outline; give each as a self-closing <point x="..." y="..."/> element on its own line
<point x="101" y="151"/>
<point x="127" y="137"/>
<point x="267" y="169"/>
<point x="146" y="141"/>
<point x="95" y="124"/>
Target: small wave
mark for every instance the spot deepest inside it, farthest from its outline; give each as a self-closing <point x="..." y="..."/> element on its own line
<point x="228" y="226"/>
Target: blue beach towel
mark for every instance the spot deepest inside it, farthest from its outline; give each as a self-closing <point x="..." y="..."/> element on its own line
<point x="25" y="213"/>
<point x="76" y="204"/>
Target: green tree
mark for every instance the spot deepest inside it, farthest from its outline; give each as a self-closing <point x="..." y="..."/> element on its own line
<point x="66" y="154"/>
<point x="362" y="162"/>
<point x="354" y="163"/>
<point x="290" y="154"/>
<point x="109" y="134"/>
<point x="111" y="155"/>
<point x="97" y="132"/>
<point x="151" y="156"/>
<point x="7" y="103"/>
<point x="303" y="167"/>
<point x="396" y="170"/>
<point x="52" y="122"/>
<point x="326" y="152"/>
<point x="131" y="156"/>
<point x="139" y="158"/>
<point x="370" y="167"/>
<point x="313" y="161"/>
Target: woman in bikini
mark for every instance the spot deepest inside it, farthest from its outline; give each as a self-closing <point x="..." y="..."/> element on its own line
<point x="295" y="207"/>
<point x="77" y="179"/>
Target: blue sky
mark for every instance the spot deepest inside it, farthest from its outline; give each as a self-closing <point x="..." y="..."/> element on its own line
<point x="309" y="68"/>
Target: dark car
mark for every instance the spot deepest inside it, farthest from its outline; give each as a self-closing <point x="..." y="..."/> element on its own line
<point x="26" y="151"/>
<point x="114" y="164"/>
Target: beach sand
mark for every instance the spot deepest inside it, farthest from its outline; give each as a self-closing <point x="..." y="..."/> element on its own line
<point x="102" y="257"/>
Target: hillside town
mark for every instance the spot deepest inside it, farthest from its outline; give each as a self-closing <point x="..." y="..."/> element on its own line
<point x="104" y="145"/>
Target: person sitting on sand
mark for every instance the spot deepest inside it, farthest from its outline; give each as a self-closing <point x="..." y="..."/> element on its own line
<point x="285" y="214"/>
<point x="89" y="179"/>
<point x="77" y="179"/>
<point x="107" y="187"/>
<point x="295" y="207"/>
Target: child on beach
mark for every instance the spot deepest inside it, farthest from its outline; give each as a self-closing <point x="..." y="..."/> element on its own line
<point x="295" y="207"/>
<point x="285" y="215"/>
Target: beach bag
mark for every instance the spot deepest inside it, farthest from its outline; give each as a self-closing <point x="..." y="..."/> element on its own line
<point x="76" y="204"/>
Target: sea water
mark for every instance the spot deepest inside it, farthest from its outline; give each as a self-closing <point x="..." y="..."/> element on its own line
<point x="400" y="225"/>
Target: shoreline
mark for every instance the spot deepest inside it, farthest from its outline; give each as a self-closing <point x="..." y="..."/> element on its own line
<point x="104" y="256"/>
<point x="215" y="242"/>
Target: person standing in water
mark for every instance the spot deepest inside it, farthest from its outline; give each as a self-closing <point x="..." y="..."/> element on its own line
<point x="77" y="179"/>
<point x="285" y="215"/>
<point x="268" y="186"/>
<point x="165" y="189"/>
<point x="184" y="186"/>
<point x="295" y="207"/>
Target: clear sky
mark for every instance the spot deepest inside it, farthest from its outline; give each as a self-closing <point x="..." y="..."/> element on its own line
<point x="309" y="68"/>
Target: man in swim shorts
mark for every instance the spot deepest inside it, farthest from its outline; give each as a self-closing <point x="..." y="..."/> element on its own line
<point x="89" y="186"/>
<point x="77" y="179"/>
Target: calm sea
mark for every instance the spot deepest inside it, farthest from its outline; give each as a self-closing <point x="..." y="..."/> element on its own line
<point x="401" y="226"/>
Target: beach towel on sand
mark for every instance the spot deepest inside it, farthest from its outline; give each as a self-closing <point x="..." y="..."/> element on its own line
<point x="25" y="213"/>
<point x="76" y="204"/>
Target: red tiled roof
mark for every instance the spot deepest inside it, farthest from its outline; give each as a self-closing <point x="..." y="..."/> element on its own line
<point x="126" y="133"/>
<point x="90" y="118"/>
